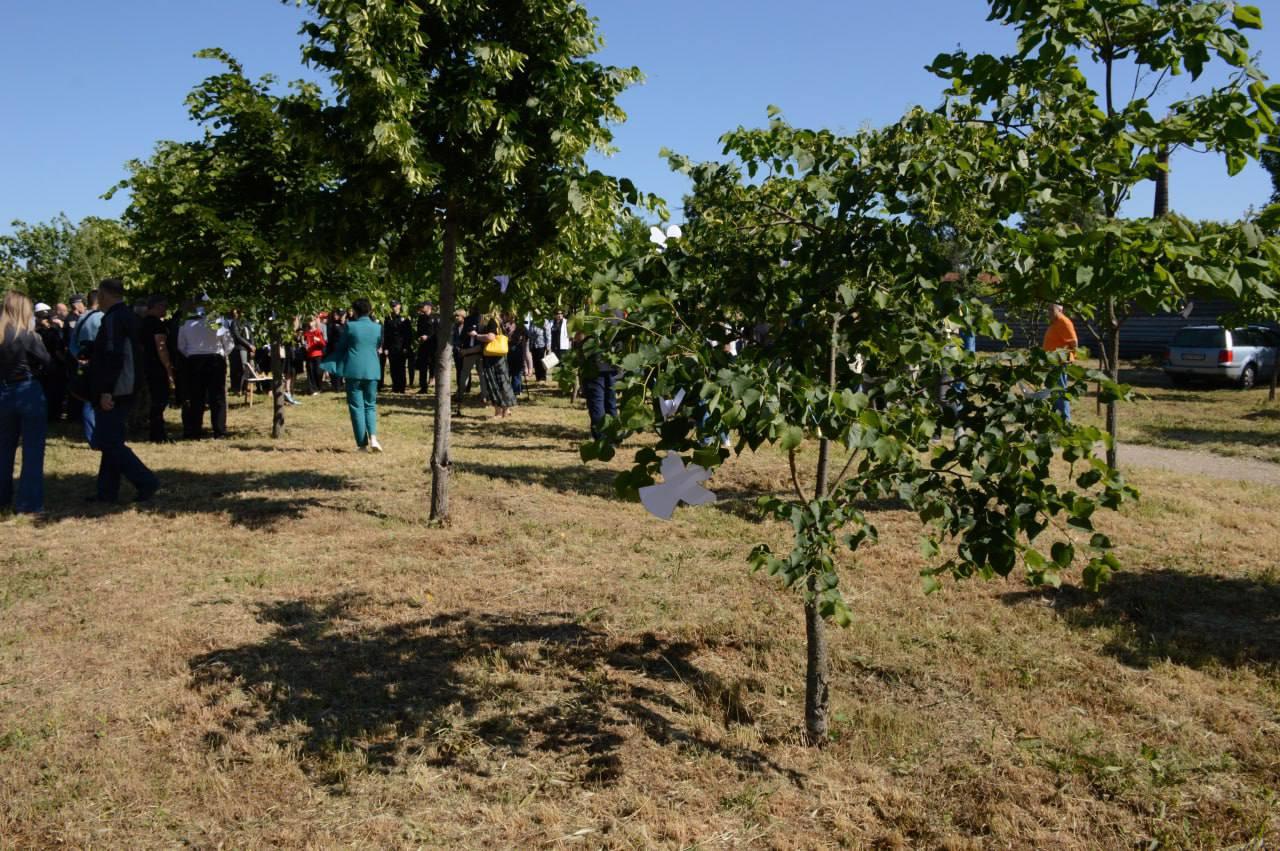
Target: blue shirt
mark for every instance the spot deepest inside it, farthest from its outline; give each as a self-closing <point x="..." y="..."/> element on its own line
<point x="86" y="331"/>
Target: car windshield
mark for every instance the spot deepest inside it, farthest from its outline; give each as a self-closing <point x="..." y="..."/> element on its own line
<point x="1200" y="338"/>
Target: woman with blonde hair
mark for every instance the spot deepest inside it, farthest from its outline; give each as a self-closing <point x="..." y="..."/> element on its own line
<point x="23" y="411"/>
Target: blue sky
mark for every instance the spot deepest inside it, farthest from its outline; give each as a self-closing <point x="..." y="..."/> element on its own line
<point x="90" y="85"/>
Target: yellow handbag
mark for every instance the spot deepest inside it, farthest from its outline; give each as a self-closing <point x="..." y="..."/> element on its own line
<point x="497" y="347"/>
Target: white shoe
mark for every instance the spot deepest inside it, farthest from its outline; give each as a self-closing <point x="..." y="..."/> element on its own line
<point x="362" y="449"/>
<point x="374" y="444"/>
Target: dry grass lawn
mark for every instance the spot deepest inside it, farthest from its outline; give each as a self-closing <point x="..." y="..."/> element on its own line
<point x="1206" y="418"/>
<point x="280" y="654"/>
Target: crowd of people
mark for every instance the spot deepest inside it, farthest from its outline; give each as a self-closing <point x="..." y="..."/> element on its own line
<point x="97" y="359"/>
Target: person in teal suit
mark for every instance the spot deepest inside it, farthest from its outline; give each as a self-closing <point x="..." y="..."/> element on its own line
<point x="356" y="361"/>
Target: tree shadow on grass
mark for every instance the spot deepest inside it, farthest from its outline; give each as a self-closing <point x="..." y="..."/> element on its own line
<point x="249" y="499"/>
<point x="1209" y="436"/>
<point x="1189" y="619"/>
<point x="518" y="429"/>
<point x="574" y="478"/>
<point x="341" y="680"/>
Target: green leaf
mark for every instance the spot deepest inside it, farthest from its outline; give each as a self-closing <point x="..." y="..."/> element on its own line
<point x="1063" y="554"/>
<point x="790" y="438"/>
<point x="1247" y="17"/>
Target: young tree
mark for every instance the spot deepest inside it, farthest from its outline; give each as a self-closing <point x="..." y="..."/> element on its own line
<point x="1086" y="147"/>
<point x="470" y="120"/>
<point x="246" y="215"/>
<point x="816" y="250"/>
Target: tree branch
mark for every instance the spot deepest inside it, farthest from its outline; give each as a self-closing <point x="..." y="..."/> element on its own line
<point x="795" y="477"/>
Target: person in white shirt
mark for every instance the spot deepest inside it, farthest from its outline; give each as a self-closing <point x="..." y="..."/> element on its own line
<point x="204" y="349"/>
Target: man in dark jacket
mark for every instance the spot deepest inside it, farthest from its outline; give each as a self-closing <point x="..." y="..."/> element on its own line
<point x="114" y="372"/>
<point x="425" y="335"/>
<point x="397" y="341"/>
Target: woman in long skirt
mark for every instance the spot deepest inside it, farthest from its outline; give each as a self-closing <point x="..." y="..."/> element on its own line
<point x="494" y="377"/>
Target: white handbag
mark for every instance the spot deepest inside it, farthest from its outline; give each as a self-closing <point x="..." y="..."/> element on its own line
<point x="550" y="361"/>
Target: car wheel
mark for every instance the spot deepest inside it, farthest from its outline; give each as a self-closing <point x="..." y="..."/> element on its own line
<point x="1249" y="377"/>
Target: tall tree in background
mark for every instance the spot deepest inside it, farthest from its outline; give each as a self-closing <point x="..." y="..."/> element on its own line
<point x="471" y="120"/>
<point x="1088" y="146"/>
<point x="51" y="260"/>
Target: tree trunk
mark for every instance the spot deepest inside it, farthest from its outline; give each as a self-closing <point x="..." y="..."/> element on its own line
<point x="277" y="389"/>
<point x="817" y="679"/>
<point x="1113" y="372"/>
<point x="817" y="675"/>
<point x="441" y="465"/>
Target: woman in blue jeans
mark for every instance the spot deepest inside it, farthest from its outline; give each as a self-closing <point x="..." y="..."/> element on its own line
<point x="23" y="412"/>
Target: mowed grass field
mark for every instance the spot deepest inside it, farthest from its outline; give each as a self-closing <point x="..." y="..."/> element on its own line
<point x="1205" y="418"/>
<point x="280" y="653"/>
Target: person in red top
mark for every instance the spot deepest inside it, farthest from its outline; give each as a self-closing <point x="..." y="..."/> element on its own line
<point x="314" y="339"/>
<point x="1061" y="336"/>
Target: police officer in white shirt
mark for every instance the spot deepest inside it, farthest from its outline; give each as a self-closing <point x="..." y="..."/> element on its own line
<point x="204" y="347"/>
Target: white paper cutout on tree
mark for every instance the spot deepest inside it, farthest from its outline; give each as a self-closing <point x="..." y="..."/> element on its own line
<point x="659" y="237"/>
<point x="679" y="484"/>
<point x="504" y="281"/>
<point x="670" y="406"/>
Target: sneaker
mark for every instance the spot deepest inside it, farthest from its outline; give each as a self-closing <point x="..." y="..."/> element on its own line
<point x="362" y="449"/>
<point x="374" y="444"/>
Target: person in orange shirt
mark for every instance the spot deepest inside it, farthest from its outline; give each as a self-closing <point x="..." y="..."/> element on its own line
<point x="1061" y="335"/>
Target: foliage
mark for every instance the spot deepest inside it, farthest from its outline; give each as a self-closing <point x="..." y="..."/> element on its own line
<point x="52" y="260"/>
<point x="1083" y="150"/>
<point x="247" y="216"/>
<point x="814" y="248"/>
<point x="465" y="126"/>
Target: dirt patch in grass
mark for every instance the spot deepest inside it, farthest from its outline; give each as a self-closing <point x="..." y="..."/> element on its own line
<point x="279" y="653"/>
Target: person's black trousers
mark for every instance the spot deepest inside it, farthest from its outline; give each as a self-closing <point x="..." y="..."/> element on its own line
<point x="314" y="375"/>
<point x="206" y="387"/>
<point x="539" y="368"/>
<point x="426" y="354"/>
<point x="55" y="395"/>
<point x="398" y="362"/>
<point x="158" y="392"/>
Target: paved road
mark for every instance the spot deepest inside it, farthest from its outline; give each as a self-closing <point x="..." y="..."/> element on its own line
<point x="1200" y="464"/>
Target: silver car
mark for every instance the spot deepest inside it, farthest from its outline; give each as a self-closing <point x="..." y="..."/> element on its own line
<point x="1211" y="352"/>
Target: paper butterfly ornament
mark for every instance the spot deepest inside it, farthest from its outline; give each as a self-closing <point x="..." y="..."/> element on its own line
<point x="504" y="281"/>
<point x="679" y="484"/>
<point x="670" y="406"/>
<point x="659" y="237"/>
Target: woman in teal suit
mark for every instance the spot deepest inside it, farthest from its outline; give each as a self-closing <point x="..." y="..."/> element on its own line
<point x="356" y="360"/>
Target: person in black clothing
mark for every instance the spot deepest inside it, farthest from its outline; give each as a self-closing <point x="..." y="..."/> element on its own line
<point x="113" y="378"/>
<point x="334" y="330"/>
<point x="54" y="380"/>
<point x="23" y="411"/>
<point x="157" y="366"/>
<point x="397" y="342"/>
<point x="242" y="354"/>
<point x="426" y="331"/>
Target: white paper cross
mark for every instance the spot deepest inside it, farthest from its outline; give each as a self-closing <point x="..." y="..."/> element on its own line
<point x="679" y="484"/>
<point x="670" y="406"/>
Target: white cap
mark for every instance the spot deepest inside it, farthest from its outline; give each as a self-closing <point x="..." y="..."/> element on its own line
<point x="41" y="307"/>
